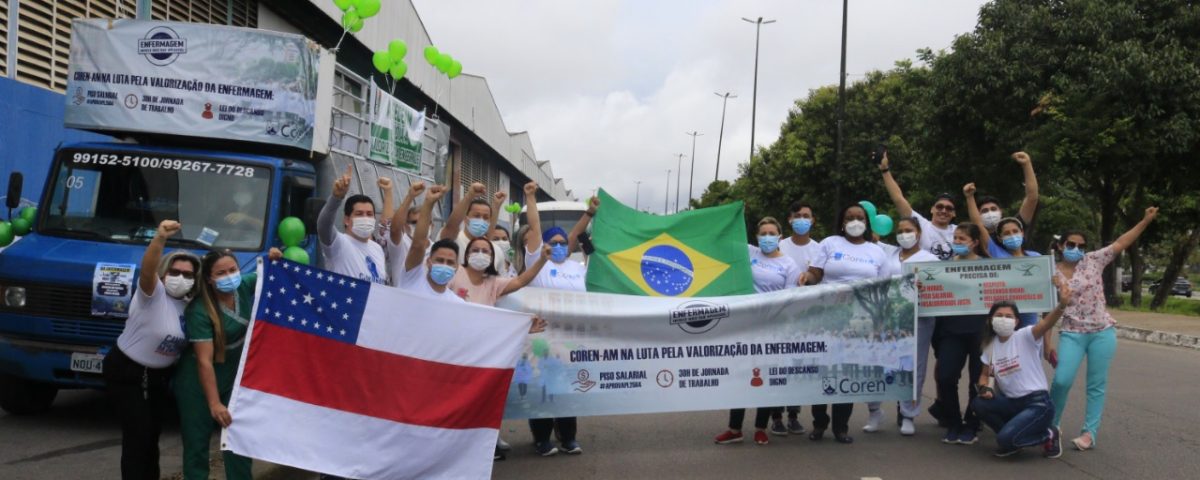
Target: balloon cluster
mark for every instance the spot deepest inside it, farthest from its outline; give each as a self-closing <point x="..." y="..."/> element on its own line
<point x="880" y="224"/>
<point x="391" y="61"/>
<point x="443" y="62"/>
<point x="513" y="208"/>
<point x="18" y="227"/>
<point x="291" y="232"/>
<point x="354" y="12"/>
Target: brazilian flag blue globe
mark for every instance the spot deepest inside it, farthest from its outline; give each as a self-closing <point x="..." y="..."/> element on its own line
<point x="698" y="253"/>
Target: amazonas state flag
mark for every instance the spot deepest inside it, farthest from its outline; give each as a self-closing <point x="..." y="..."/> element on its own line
<point x="698" y="253"/>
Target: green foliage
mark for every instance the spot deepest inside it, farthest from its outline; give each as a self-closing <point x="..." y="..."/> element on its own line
<point x="1174" y="306"/>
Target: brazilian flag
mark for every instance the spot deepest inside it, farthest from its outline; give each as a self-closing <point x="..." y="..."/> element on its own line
<point x="698" y="253"/>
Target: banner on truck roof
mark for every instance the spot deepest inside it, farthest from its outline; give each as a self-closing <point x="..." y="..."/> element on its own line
<point x="196" y="80"/>
<point x="396" y="131"/>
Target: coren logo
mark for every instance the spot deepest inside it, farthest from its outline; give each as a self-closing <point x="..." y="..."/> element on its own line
<point x="161" y="46"/>
<point x="698" y="316"/>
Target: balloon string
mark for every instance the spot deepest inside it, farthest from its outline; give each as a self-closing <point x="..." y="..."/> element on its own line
<point x="343" y="37"/>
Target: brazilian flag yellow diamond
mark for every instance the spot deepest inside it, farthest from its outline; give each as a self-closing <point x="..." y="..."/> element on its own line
<point x="666" y="267"/>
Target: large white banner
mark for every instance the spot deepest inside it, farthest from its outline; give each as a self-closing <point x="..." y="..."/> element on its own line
<point x="396" y="131"/>
<point x="618" y="354"/>
<point x="192" y="79"/>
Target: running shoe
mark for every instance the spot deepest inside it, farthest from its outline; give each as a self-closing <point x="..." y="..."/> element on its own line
<point x="795" y="427"/>
<point x="571" y="448"/>
<point x="951" y="436"/>
<point x="546" y="449"/>
<point x="968" y="436"/>
<point x="760" y="437"/>
<point x="874" y="421"/>
<point x="1053" y="446"/>
<point x="728" y="437"/>
<point x="778" y="428"/>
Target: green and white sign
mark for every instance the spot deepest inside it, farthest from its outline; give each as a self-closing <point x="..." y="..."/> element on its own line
<point x="970" y="287"/>
<point x="396" y="132"/>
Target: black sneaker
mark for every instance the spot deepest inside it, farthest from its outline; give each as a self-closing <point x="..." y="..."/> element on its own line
<point x="570" y="448"/>
<point x="968" y="436"/>
<point x="1005" y="453"/>
<point x="545" y="449"/>
<point x="1053" y="446"/>
<point x="951" y="437"/>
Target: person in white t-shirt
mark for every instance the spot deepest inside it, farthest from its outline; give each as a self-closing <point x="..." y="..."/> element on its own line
<point x="400" y="229"/>
<point x="803" y="248"/>
<point x="137" y="372"/>
<point x="352" y="253"/>
<point x="430" y="275"/>
<point x="937" y="233"/>
<point x="1019" y="408"/>
<point x="473" y="217"/>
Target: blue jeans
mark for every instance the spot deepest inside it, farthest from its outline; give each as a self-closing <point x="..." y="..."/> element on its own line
<point x="1018" y="422"/>
<point x="1099" y="348"/>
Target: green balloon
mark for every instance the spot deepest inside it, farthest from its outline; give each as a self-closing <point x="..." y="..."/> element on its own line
<point x="431" y="54"/>
<point x="869" y="208"/>
<point x="343" y="4"/>
<point x="398" y="70"/>
<point x="382" y="61"/>
<point x="513" y="208"/>
<point x="455" y="69"/>
<point x="541" y="347"/>
<point x="296" y="254"/>
<point x="881" y="224"/>
<point x="397" y="50"/>
<point x="21" y="226"/>
<point x="357" y="25"/>
<point x="29" y="213"/>
<point x="367" y="8"/>
<point x="6" y="234"/>
<point x="291" y="231"/>
<point x="444" y="62"/>
<point x="350" y="18"/>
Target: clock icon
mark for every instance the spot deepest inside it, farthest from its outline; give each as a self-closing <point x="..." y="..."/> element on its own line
<point x="665" y="378"/>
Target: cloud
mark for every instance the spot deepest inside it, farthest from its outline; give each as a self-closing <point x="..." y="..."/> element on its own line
<point x="608" y="88"/>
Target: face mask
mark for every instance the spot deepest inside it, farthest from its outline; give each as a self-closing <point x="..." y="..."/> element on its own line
<point x="228" y="283"/>
<point x="906" y="240"/>
<point x="768" y="243"/>
<point x="441" y="274"/>
<point x="558" y="253"/>
<point x="801" y="226"/>
<point x="991" y="219"/>
<point x="362" y="227"/>
<point x="177" y="286"/>
<point x="1004" y="326"/>
<point x="1073" y="255"/>
<point x="1013" y="242"/>
<point x="856" y="228"/>
<point x="505" y="248"/>
<point x="477" y="227"/>
<point x="960" y="250"/>
<point x="479" y="261"/>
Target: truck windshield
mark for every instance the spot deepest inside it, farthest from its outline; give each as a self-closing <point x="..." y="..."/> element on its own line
<point x="121" y="197"/>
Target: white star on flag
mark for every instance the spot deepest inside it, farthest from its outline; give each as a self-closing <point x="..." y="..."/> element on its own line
<point x="308" y="299"/>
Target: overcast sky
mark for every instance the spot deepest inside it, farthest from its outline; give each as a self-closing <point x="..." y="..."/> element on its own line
<point x="607" y="89"/>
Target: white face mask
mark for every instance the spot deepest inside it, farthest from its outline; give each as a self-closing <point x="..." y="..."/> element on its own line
<point x="855" y="228"/>
<point x="177" y="286"/>
<point x="906" y="240"/>
<point x="363" y="227"/>
<point x="1004" y="326"/>
<point x="479" y="261"/>
<point x="505" y="249"/>
<point x="991" y="219"/>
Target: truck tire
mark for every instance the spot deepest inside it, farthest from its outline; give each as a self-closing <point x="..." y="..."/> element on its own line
<point x="19" y="396"/>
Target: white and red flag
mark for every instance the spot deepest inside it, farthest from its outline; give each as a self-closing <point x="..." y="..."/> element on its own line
<point x="366" y="381"/>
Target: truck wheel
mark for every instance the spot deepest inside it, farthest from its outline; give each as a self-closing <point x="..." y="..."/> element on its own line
<point x="19" y="396"/>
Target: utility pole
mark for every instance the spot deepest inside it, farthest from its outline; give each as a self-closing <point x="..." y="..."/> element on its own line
<point x="637" y="199"/>
<point x="754" y="99"/>
<point x="692" y="171"/>
<point x="678" y="170"/>
<point x="721" y="137"/>
<point x="667" y="196"/>
<point x="841" y="115"/>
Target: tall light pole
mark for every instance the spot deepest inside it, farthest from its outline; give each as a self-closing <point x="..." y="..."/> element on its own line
<point x="637" y="199"/>
<point x="841" y="114"/>
<point x="754" y="99"/>
<point x="667" y="196"/>
<point x="692" y="171"/>
<point x="678" y="170"/>
<point x="721" y="137"/>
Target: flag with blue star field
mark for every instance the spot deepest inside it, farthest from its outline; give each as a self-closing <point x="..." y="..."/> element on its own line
<point x="697" y="253"/>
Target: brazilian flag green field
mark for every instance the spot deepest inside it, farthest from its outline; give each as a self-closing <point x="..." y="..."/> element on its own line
<point x="697" y="253"/>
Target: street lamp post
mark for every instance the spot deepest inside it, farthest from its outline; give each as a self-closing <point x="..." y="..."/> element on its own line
<point x="841" y="114"/>
<point x="754" y="99"/>
<point x="678" y="170"/>
<point x="667" y="196"/>
<point x="721" y="136"/>
<point x="692" y="171"/>
<point x="637" y="198"/>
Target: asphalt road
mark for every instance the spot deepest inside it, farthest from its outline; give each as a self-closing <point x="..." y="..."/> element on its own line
<point x="1149" y="431"/>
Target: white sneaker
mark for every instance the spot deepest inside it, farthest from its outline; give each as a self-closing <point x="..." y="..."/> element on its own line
<point x="907" y="428"/>
<point x="874" y="421"/>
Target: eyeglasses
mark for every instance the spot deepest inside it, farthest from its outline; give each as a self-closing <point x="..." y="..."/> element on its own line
<point x="175" y="272"/>
<point x="941" y="207"/>
<point x="1070" y="244"/>
<point x="558" y="244"/>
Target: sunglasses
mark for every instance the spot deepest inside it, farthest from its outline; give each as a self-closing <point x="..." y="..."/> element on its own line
<point x="558" y="244"/>
<point x="175" y="272"/>
<point x="1070" y="244"/>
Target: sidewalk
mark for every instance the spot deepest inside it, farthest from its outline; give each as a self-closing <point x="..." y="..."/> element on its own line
<point x="1159" y="328"/>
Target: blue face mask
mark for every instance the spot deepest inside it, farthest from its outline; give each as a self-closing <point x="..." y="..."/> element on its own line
<point x="477" y="227"/>
<point x="801" y="226"/>
<point x="441" y="274"/>
<point x="558" y="253"/>
<point x="960" y="250"/>
<point x="228" y="283"/>
<point x="768" y="243"/>
<point x="1013" y="242"/>
<point x="1073" y="255"/>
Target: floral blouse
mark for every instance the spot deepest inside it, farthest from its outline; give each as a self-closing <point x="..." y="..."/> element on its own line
<point x="1088" y="314"/>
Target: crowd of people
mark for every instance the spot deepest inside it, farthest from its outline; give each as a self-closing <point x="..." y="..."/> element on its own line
<point x="189" y="316"/>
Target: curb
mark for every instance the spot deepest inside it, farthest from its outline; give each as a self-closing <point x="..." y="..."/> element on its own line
<point x="1159" y="338"/>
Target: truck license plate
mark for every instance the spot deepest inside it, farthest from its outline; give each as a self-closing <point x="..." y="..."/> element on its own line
<point x="87" y="362"/>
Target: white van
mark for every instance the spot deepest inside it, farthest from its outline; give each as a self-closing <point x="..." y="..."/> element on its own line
<point x="557" y="214"/>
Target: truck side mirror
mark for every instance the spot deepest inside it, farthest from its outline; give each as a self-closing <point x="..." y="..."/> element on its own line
<point x="15" y="179"/>
<point x="312" y="208"/>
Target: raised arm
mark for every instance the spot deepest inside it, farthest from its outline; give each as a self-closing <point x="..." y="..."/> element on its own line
<point x="385" y="189"/>
<point x="532" y="218"/>
<point x="581" y="225"/>
<point x="498" y="199"/>
<point x="327" y="219"/>
<point x="973" y="211"/>
<point x="459" y="212"/>
<point x="529" y="274"/>
<point x="416" y="254"/>
<point x="1126" y="239"/>
<point x="400" y="217"/>
<point x="148" y="279"/>
<point x="1030" y="203"/>
<point x="903" y="208"/>
<point x="1047" y="322"/>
